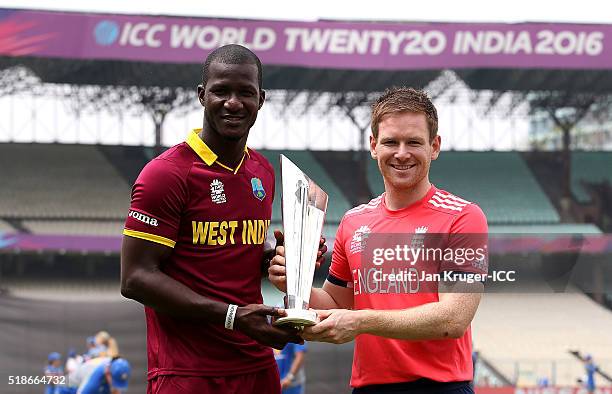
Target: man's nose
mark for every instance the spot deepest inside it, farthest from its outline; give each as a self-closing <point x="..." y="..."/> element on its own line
<point x="402" y="152"/>
<point x="233" y="103"/>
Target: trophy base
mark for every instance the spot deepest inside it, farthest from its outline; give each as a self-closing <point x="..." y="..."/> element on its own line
<point x="298" y="318"/>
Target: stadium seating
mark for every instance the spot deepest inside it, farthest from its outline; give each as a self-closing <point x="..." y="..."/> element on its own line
<point x="67" y="182"/>
<point x="75" y="227"/>
<point x="5" y="227"/>
<point x="589" y="167"/>
<point x="337" y="204"/>
<point x="499" y="182"/>
<point x="60" y="181"/>
<point x="556" y="228"/>
<point x="527" y="336"/>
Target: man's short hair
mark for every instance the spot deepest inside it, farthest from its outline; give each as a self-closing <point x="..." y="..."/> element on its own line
<point x="399" y="100"/>
<point x="232" y="54"/>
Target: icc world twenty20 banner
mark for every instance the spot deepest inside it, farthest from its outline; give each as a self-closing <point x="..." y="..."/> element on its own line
<point x="333" y="44"/>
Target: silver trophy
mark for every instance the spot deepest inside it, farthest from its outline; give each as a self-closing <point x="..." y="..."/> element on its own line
<point x="303" y="208"/>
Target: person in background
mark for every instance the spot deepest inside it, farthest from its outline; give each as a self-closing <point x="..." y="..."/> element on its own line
<point x="93" y="350"/>
<point x="590" y="369"/>
<point x="290" y="363"/>
<point x="73" y="361"/>
<point x="543" y="382"/>
<point x="104" y="375"/>
<point x="53" y="369"/>
<point x="107" y="343"/>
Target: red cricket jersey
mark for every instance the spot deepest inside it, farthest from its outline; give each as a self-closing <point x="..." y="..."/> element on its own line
<point x="216" y="219"/>
<point x="379" y="360"/>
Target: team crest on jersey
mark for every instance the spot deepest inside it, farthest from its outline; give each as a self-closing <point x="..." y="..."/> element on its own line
<point x="258" y="189"/>
<point x="418" y="237"/>
<point x="359" y="239"/>
<point x="217" y="192"/>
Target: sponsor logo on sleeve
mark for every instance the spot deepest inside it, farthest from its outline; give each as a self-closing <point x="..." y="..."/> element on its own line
<point x="141" y="217"/>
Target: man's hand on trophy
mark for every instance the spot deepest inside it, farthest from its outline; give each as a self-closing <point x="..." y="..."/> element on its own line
<point x="252" y="320"/>
<point x="277" y="271"/>
<point x="336" y="326"/>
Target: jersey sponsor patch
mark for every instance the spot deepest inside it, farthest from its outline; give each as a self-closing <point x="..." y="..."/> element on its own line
<point x="141" y="217"/>
<point x="258" y="189"/>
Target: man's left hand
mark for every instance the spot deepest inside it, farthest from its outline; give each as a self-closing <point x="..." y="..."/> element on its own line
<point x="336" y="326"/>
<point x="285" y="383"/>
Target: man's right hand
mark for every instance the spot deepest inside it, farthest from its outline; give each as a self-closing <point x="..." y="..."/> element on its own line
<point x="277" y="271"/>
<point x="252" y="320"/>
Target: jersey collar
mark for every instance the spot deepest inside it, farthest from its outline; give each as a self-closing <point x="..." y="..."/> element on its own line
<point x="407" y="210"/>
<point x="206" y="154"/>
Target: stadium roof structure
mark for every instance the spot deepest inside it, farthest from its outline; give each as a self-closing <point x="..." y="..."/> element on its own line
<point x="323" y="56"/>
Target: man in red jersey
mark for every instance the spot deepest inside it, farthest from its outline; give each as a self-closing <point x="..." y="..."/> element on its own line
<point x="411" y="331"/>
<point x="193" y="245"/>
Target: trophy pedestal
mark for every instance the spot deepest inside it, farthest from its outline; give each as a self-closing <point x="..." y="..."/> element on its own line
<point x="297" y="318"/>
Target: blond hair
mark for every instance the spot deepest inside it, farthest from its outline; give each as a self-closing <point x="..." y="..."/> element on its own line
<point x="112" y="348"/>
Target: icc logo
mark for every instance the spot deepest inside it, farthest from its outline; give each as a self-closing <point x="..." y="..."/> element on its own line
<point x="106" y="32"/>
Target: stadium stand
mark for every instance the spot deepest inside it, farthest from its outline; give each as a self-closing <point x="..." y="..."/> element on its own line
<point x="345" y="169"/>
<point x="5" y="227"/>
<point x="499" y="182"/>
<point x="127" y="160"/>
<point x="60" y="181"/>
<point x="75" y="227"/>
<point x="337" y="204"/>
<point x="556" y="228"/>
<point x="526" y="343"/>
<point x="589" y="167"/>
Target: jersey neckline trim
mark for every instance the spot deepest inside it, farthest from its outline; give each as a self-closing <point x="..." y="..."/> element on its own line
<point x="209" y="157"/>
<point x="407" y="210"/>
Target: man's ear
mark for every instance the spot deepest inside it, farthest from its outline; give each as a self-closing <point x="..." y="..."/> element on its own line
<point x="201" y="94"/>
<point x="436" y="145"/>
<point x="373" y="147"/>
<point x="262" y="98"/>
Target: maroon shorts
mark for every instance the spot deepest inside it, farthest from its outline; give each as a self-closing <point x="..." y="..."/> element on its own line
<point x="266" y="381"/>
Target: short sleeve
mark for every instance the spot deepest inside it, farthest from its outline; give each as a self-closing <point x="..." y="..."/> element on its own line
<point x="468" y="242"/>
<point x="340" y="268"/>
<point x="158" y="198"/>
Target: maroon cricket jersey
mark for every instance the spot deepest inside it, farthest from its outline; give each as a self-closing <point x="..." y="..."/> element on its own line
<point x="216" y="219"/>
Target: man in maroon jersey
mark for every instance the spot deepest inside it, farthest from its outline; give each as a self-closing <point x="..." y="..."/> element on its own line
<point x="193" y="245"/>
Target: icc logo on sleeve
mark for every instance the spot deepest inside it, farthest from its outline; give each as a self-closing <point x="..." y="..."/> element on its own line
<point x="258" y="190"/>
